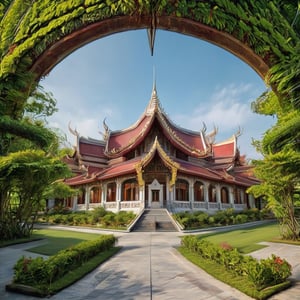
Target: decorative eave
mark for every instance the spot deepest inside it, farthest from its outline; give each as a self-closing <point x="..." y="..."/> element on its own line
<point x="147" y="118"/>
<point x="80" y="179"/>
<point x="115" y="152"/>
<point x="155" y="110"/>
<point x="170" y="128"/>
<point x="169" y="163"/>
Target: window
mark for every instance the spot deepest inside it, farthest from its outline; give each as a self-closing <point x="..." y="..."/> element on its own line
<point x="81" y="197"/>
<point x="212" y="193"/>
<point x="182" y="190"/>
<point x="224" y="195"/>
<point x="95" y="195"/>
<point x="111" y="192"/>
<point x="237" y="196"/>
<point x="198" y="191"/>
<point x="130" y="190"/>
<point x="69" y="202"/>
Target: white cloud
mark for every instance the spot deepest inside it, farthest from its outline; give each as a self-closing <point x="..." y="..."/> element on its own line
<point x="228" y="111"/>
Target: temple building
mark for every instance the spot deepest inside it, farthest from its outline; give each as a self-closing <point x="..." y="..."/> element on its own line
<point x="157" y="164"/>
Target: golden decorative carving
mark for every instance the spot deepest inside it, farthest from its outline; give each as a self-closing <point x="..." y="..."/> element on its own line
<point x="169" y="163"/>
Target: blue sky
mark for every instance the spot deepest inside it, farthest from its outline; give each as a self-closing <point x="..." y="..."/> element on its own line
<point x="196" y="82"/>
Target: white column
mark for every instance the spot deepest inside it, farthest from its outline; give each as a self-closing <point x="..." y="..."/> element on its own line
<point x="161" y="196"/>
<point x="118" y="194"/>
<point x="251" y="201"/>
<point x="87" y="197"/>
<point x="242" y="193"/>
<point x="206" y="198"/>
<point x="231" y="196"/>
<point x="168" y="196"/>
<point x="218" y="195"/>
<point x="75" y="199"/>
<point x="103" y="194"/>
<point x="191" y="193"/>
<point x="142" y="195"/>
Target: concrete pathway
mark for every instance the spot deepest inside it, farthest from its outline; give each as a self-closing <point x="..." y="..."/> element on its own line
<point x="148" y="267"/>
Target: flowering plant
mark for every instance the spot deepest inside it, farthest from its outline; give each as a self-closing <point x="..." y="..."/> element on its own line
<point x="268" y="272"/>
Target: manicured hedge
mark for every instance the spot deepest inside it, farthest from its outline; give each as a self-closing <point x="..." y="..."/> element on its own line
<point x="98" y="217"/>
<point x="40" y="272"/>
<point x="200" y="219"/>
<point x="262" y="273"/>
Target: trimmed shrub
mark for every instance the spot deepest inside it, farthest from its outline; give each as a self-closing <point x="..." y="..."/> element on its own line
<point x="94" y="217"/>
<point x="38" y="271"/>
<point x="262" y="273"/>
<point x="199" y="219"/>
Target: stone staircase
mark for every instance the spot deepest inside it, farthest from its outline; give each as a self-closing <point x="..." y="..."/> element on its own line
<point x="154" y="220"/>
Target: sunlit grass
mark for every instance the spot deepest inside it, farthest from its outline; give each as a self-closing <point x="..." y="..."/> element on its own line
<point x="56" y="240"/>
<point x="246" y="240"/>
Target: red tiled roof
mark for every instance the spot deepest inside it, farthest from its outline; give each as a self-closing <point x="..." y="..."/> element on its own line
<point x="225" y="149"/>
<point x="80" y="179"/>
<point x="91" y="149"/>
<point x="120" y="139"/>
<point x="124" y="168"/>
<point x="191" y="138"/>
<point x="192" y="169"/>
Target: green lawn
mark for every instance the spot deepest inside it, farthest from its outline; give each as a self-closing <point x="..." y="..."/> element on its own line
<point x="246" y="240"/>
<point x="58" y="240"/>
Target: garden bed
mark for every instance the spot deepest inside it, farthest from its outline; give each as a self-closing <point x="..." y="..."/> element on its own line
<point x="45" y="277"/>
<point x="257" y="279"/>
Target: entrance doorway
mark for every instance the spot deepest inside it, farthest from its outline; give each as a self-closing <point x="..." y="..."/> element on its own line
<point x="155" y="194"/>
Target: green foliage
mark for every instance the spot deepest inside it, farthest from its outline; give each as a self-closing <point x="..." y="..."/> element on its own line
<point x="40" y="104"/>
<point x="267" y="104"/>
<point x="40" y="272"/>
<point x="24" y="176"/>
<point x="198" y="219"/>
<point x="263" y="273"/>
<point x="58" y="190"/>
<point x="34" y="132"/>
<point x="279" y="173"/>
<point x="97" y="217"/>
<point x="270" y="271"/>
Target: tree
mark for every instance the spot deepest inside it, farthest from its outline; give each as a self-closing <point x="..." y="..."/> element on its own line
<point x="279" y="169"/>
<point x="24" y="178"/>
<point x="30" y="163"/>
<point x="279" y="173"/>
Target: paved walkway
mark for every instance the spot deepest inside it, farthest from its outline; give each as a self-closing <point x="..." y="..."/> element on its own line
<point x="149" y="267"/>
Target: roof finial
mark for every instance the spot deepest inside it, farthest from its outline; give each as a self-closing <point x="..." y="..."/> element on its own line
<point x="154" y="82"/>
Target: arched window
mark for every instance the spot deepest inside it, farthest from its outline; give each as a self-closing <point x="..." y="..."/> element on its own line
<point x="237" y="196"/>
<point x="182" y="190"/>
<point x="111" y="192"/>
<point x="81" y="196"/>
<point x="224" y="195"/>
<point x="212" y="193"/>
<point x="130" y="190"/>
<point x="198" y="191"/>
<point x="95" y="194"/>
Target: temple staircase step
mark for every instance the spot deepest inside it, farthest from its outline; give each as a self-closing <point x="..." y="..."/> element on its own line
<point x="154" y="220"/>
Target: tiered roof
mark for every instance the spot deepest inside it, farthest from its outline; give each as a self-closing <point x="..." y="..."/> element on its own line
<point x="98" y="160"/>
